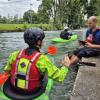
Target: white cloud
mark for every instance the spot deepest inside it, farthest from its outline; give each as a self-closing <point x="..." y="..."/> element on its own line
<point x="3" y="0"/>
<point x="13" y="7"/>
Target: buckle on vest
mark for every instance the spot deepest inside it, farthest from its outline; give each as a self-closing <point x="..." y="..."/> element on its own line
<point x="22" y="65"/>
<point x="23" y="77"/>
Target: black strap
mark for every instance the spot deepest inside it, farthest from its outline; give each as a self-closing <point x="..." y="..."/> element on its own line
<point x="11" y="92"/>
<point x="88" y="63"/>
<point x="19" y="76"/>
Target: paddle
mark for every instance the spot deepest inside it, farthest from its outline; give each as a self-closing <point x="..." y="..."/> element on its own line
<point x="3" y="77"/>
<point x="93" y="64"/>
<point x="51" y="50"/>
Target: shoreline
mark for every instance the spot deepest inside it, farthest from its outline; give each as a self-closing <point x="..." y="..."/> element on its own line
<point x="22" y="30"/>
<point x="21" y="27"/>
<point x="8" y="31"/>
<point x="87" y="81"/>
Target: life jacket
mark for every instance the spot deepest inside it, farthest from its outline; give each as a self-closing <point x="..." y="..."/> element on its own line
<point x="65" y="35"/>
<point x="24" y="72"/>
<point x="91" y="36"/>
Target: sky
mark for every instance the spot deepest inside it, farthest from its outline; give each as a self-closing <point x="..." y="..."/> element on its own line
<point x="13" y="7"/>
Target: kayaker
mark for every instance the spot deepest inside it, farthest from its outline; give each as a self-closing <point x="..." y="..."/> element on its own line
<point x="91" y="46"/>
<point x="65" y="34"/>
<point x="29" y="67"/>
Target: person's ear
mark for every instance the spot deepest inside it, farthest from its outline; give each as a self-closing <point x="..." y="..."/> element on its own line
<point x="39" y="43"/>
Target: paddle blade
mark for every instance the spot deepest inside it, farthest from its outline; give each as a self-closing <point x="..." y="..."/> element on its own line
<point x="3" y="78"/>
<point x="52" y="50"/>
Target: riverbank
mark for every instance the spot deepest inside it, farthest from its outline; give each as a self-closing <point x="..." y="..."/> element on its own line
<point x="22" y="27"/>
<point x="87" y="84"/>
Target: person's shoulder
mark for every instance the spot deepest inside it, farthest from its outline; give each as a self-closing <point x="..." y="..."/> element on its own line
<point x="44" y="57"/>
<point x="98" y="29"/>
<point x="15" y="53"/>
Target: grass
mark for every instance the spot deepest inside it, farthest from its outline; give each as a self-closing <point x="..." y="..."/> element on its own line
<point x="21" y="27"/>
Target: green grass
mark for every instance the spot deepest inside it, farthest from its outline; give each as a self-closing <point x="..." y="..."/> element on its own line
<point x="10" y="26"/>
<point x="18" y="27"/>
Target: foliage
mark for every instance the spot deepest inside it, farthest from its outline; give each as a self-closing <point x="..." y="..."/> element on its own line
<point x="57" y="13"/>
<point x="98" y="18"/>
<point x="70" y="12"/>
<point x="30" y="17"/>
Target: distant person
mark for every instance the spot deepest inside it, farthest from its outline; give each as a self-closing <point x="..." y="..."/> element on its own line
<point x="91" y="45"/>
<point x="65" y="34"/>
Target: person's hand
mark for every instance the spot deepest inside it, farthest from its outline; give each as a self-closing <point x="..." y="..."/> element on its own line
<point x="90" y="45"/>
<point x="81" y="43"/>
<point x="66" y="61"/>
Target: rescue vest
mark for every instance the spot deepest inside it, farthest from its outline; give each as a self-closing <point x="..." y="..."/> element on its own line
<point x="25" y="74"/>
<point x="91" y="36"/>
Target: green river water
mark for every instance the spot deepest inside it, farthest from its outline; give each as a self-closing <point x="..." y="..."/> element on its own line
<point x="10" y="42"/>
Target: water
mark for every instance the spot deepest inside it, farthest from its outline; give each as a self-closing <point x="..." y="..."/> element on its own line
<point x="10" y="42"/>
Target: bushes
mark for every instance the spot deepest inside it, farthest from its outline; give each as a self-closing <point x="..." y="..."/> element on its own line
<point x="45" y="27"/>
<point x="58" y="27"/>
<point x="98" y="18"/>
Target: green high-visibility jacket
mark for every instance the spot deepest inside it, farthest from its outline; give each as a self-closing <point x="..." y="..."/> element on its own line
<point x="44" y="65"/>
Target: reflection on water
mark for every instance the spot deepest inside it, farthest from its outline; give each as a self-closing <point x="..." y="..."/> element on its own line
<point x="10" y="42"/>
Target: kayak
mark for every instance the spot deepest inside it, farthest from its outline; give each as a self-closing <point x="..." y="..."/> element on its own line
<point x="60" y="40"/>
<point x="43" y="96"/>
<point x="15" y="95"/>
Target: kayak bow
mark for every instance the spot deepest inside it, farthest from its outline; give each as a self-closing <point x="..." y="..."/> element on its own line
<point x="60" y="40"/>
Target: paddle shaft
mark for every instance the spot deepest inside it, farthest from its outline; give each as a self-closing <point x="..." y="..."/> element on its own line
<point x="88" y="63"/>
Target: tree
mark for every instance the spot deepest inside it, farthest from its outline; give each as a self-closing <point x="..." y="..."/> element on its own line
<point x="69" y="12"/>
<point x="20" y="21"/>
<point x="0" y="18"/>
<point x="91" y="7"/>
<point x="30" y="17"/>
<point x="15" y="19"/>
<point x="63" y="11"/>
<point x="44" y="11"/>
<point x="4" y="20"/>
<point x="75" y="14"/>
